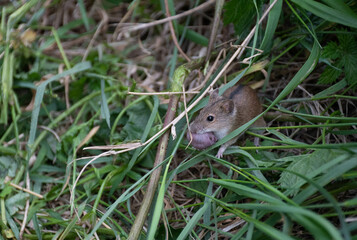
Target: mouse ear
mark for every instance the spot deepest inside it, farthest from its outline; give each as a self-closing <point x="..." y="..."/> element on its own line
<point x="213" y="97"/>
<point x="228" y="106"/>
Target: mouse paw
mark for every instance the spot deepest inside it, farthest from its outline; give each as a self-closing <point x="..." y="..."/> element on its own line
<point x="220" y="152"/>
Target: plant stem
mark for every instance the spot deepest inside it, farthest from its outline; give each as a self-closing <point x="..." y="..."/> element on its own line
<point x="155" y="176"/>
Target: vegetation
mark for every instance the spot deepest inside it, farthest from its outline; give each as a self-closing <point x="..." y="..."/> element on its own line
<point x="86" y="118"/>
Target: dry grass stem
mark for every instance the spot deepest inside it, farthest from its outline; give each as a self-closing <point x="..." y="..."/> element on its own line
<point x="25" y="190"/>
<point x="161" y="93"/>
<point x="168" y="19"/>
<point x="173" y="34"/>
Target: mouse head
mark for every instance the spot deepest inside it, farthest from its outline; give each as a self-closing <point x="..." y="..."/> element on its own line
<point x="218" y="104"/>
<point x="218" y="114"/>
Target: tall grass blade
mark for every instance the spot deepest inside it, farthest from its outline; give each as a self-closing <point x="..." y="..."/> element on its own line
<point x="103" y="104"/>
<point x="82" y="9"/>
<point x="347" y="18"/>
<point x="273" y="20"/>
<point x="40" y="93"/>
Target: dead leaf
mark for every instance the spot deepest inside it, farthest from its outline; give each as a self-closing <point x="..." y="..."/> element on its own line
<point x="28" y="37"/>
<point x="120" y="146"/>
<point x="88" y="137"/>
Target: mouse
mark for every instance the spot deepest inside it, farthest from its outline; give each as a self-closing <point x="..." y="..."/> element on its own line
<point x="222" y="115"/>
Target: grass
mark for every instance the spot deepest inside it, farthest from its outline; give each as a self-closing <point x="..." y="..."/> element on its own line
<point x="85" y="155"/>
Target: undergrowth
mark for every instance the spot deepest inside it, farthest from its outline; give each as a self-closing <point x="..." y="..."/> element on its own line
<point x="78" y="140"/>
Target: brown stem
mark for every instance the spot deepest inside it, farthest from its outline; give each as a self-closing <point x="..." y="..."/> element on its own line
<point x="155" y="176"/>
<point x="174" y="38"/>
<point x="216" y="21"/>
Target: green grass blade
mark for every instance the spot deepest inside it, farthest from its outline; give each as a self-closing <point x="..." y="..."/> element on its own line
<point x="284" y="138"/>
<point x="159" y="204"/>
<point x="318" y="225"/>
<point x="62" y="32"/>
<point x="251" y="162"/>
<point x="346" y="18"/>
<point x="122" y="112"/>
<point x="300" y="76"/>
<point x="193" y="221"/>
<point x="193" y="36"/>
<point x="73" y="222"/>
<point x="273" y="20"/>
<point x="243" y="190"/>
<point x="12" y="224"/>
<point x="37" y="227"/>
<point x="104" y="104"/>
<point x="17" y="15"/>
<point x="305" y="70"/>
<point x="267" y="229"/>
<point x="6" y="84"/>
<point x="145" y="134"/>
<point x="40" y="93"/>
<point x="332" y="89"/>
<point x="63" y="53"/>
<point x="123" y="197"/>
<point x="326" y="195"/>
<point x="333" y="173"/>
<point x="340" y="5"/>
<point x="82" y="9"/>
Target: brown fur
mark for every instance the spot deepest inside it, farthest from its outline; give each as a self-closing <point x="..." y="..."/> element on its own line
<point x="228" y="113"/>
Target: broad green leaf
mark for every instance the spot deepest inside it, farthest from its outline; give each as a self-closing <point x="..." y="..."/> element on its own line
<point x="309" y="165"/>
<point x="16" y="202"/>
<point x="8" y="166"/>
<point x="138" y="117"/>
<point x="345" y="162"/>
<point x="343" y="57"/>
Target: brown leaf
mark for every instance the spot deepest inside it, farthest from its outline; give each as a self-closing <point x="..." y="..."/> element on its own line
<point x="28" y="37"/>
<point x="88" y="137"/>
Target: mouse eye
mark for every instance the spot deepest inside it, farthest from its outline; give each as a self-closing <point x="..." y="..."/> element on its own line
<point x="210" y="118"/>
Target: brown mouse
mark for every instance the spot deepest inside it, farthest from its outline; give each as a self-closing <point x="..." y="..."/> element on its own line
<point x="223" y="114"/>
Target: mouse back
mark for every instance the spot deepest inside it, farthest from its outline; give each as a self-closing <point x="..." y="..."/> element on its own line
<point x="246" y="102"/>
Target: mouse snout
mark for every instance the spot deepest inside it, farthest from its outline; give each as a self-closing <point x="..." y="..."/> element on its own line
<point x="203" y="140"/>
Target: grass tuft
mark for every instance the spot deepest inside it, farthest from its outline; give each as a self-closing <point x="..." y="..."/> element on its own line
<point x="95" y="100"/>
